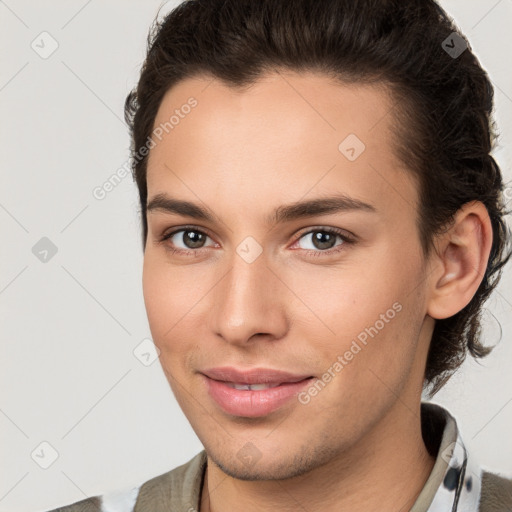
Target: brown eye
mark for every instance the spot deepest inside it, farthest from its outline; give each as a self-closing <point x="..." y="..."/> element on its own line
<point x="185" y="239"/>
<point x="323" y="239"/>
<point x="193" y="239"/>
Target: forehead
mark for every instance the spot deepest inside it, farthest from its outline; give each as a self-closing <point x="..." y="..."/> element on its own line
<point x="282" y="99"/>
<point x="281" y="137"/>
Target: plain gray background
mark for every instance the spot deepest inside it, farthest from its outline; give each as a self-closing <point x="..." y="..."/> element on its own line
<point x="71" y="324"/>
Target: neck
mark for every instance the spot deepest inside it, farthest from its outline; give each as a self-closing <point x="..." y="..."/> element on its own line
<point x="385" y="471"/>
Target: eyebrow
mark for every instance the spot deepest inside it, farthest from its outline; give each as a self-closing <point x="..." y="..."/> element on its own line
<point x="284" y="213"/>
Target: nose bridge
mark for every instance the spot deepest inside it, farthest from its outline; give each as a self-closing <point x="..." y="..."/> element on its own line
<point x="247" y="298"/>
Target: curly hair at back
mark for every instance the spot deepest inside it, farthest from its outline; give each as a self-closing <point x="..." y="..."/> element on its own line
<point x="443" y="102"/>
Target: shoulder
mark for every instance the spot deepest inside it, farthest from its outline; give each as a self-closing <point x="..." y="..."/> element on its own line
<point x="92" y="504"/>
<point x="180" y="485"/>
<point x="496" y="494"/>
<point x="122" y="501"/>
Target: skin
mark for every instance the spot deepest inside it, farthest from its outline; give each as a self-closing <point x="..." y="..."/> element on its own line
<point x="242" y="154"/>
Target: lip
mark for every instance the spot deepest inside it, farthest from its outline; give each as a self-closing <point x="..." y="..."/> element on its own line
<point x="250" y="403"/>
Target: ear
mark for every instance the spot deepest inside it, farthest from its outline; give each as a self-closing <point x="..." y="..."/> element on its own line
<point x="460" y="260"/>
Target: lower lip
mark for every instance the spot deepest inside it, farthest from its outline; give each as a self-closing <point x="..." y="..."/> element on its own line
<point x="252" y="404"/>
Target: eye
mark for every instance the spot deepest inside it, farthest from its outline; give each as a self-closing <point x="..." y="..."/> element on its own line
<point x="323" y="241"/>
<point x="184" y="240"/>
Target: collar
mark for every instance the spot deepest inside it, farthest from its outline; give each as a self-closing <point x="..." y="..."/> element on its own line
<point x="455" y="481"/>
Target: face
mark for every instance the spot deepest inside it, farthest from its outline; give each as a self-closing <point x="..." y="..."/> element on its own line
<point x="332" y="294"/>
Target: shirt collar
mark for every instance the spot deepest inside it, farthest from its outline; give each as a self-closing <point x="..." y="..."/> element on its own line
<point x="455" y="481"/>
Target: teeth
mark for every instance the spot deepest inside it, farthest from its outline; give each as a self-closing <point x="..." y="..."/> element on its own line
<point x="251" y="387"/>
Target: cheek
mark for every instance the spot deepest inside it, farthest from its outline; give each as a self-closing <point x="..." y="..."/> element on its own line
<point x="156" y="300"/>
<point x="172" y="297"/>
<point x="373" y="316"/>
<point x="162" y="298"/>
<point x="366" y="367"/>
<point x="168" y="290"/>
<point x="344" y="302"/>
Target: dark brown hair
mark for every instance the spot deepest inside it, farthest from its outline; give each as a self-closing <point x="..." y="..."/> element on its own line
<point x="443" y="106"/>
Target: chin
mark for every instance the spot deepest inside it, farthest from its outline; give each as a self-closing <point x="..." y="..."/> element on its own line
<point x="250" y="464"/>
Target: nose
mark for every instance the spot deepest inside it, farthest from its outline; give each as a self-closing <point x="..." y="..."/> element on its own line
<point x="249" y="303"/>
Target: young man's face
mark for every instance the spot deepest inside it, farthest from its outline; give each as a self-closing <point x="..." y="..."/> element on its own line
<point x="287" y="296"/>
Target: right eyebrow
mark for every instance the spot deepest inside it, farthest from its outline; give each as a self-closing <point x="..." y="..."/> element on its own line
<point x="164" y="203"/>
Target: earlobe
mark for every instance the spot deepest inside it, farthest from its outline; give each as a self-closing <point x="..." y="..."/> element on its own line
<point x="462" y="256"/>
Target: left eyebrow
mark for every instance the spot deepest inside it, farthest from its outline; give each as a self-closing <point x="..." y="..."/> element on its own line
<point x="320" y="206"/>
<point x="283" y="213"/>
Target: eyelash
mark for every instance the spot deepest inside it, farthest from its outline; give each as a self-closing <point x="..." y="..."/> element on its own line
<point x="310" y="252"/>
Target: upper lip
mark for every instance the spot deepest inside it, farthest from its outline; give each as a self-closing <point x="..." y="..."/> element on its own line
<point x="252" y="376"/>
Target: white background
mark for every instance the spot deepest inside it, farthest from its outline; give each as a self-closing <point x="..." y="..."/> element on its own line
<point x="69" y="326"/>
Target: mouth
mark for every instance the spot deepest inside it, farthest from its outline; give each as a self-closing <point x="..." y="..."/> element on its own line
<point x="251" y="387"/>
<point x="254" y="376"/>
<point x="254" y="393"/>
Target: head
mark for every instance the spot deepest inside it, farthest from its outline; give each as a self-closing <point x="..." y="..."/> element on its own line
<point x="248" y="108"/>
